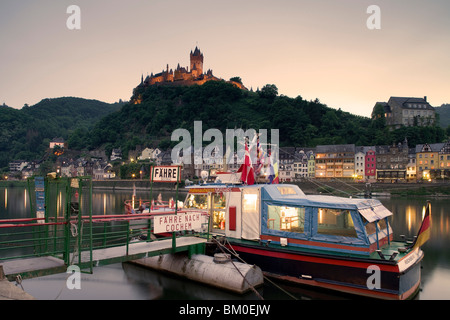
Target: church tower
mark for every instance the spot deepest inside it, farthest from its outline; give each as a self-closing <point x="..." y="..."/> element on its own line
<point x="196" y="63"/>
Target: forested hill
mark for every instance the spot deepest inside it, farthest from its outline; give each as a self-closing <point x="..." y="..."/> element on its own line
<point x="90" y="124"/>
<point x="221" y="105"/>
<point x="444" y="115"/>
<point x="26" y="133"/>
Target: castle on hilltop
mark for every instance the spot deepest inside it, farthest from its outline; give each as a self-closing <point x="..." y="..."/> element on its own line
<point x="184" y="76"/>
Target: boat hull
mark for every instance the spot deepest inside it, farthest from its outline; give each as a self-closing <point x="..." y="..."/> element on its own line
<point x="347" y="275"/>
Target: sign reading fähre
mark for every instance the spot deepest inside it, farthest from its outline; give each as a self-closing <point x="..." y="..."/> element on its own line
<point x="166" y="174"/>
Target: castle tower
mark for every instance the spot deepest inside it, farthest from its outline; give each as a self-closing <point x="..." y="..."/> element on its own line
<point x="196" y="63"/>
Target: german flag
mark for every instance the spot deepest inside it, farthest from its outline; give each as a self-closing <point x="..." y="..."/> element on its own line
<point x="425" y="229"/>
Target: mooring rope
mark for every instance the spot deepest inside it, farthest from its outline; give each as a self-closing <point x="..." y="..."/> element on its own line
<point x="234" y="253"/>
<point x="349" y="185"/>
<point x="19" y="281"/>
<point x="245" y="279"/>
<point x="75" y="234"/>
<point x="325" y="185"/>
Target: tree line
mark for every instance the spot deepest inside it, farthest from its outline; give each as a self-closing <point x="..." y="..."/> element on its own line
<point x="222" y="106"/>
<point x="89" y="124"/>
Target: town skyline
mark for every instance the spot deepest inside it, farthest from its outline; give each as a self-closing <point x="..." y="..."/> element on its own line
<point x="375" y="163"/>
<point x="316" y="49"/>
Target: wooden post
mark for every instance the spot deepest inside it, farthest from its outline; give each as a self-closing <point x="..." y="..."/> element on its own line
<point x="174" y="241"/>
<point x="2" y="273"/>
<point x="150" y="205"/>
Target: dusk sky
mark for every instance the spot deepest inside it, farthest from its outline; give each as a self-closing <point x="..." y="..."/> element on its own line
<point x="313" y="48"/>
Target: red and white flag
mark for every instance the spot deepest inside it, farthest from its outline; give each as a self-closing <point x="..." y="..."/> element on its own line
<point x="248" y="174"/>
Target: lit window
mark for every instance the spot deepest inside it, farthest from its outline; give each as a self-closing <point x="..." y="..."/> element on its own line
<point x="371" y="228"/>
<point x="286" y="190"/>
<point x="199" y="201"/>
<point x="336" y="222"/>
<point x="284" y="218"/>
<point x="218" y="214"/>
<point x="250" y="202"/>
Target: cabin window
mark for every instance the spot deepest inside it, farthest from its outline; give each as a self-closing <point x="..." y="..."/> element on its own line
<point x="284" y="218"/>
<point x="336" y="222"/>
<point x="382" y="224"/>
<point x="371" y="228"/>
<point x="250" y="202"/>
<point x="197" y="201"/>
<point x="218" y="205"/>
<point x="250" y="213"/>
<point x="286" y="190"/>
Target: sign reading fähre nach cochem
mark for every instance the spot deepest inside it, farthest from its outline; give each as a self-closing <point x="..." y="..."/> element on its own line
<point x="166" y="174"/>
<point x="177" y="222"/>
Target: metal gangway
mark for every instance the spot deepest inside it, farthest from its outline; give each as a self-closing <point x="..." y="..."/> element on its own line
<point x="62" y="231"/>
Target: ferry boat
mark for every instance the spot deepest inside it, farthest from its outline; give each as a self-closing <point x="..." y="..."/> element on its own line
<point x="329" y="242"/>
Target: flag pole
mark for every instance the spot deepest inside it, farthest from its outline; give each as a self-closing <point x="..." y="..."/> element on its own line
<point x="174" y="241"/>
<point x="425" y="229"/>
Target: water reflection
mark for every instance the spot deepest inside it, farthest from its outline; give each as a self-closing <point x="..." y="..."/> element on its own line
<point x="14" y="203"/>
<point x="406" y="220"/>
<point x="408" y="214"/>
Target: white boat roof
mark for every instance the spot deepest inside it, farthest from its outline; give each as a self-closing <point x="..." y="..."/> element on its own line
<point x="290" y="194"/>
<point x="370" y="209"/>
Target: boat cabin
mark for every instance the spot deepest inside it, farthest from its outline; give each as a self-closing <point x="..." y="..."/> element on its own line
<point x="284" y="215"/>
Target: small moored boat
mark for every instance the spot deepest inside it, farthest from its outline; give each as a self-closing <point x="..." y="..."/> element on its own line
<point x="324" y="241"/>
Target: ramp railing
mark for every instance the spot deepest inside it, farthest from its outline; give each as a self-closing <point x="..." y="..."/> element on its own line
<point x="62" y="225"/>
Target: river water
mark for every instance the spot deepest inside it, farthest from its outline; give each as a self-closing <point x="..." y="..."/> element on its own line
<point x="129" y="282"/>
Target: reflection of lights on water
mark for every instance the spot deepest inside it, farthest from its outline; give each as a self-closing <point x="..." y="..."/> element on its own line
<point x="104" y="204"/>
<point x="58" y="204"/>
<point x="6" y="198"/>
<point x="25" y="198"/>
<point x="410" y="216"/>
<point x="446" y="225"/>
<point x="409" y="220"/>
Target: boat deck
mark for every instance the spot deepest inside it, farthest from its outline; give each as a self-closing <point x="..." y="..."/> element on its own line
<point x="386" y="251"/>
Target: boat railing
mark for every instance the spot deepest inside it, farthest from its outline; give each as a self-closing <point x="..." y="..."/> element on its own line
<point x="135" y="205"/>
